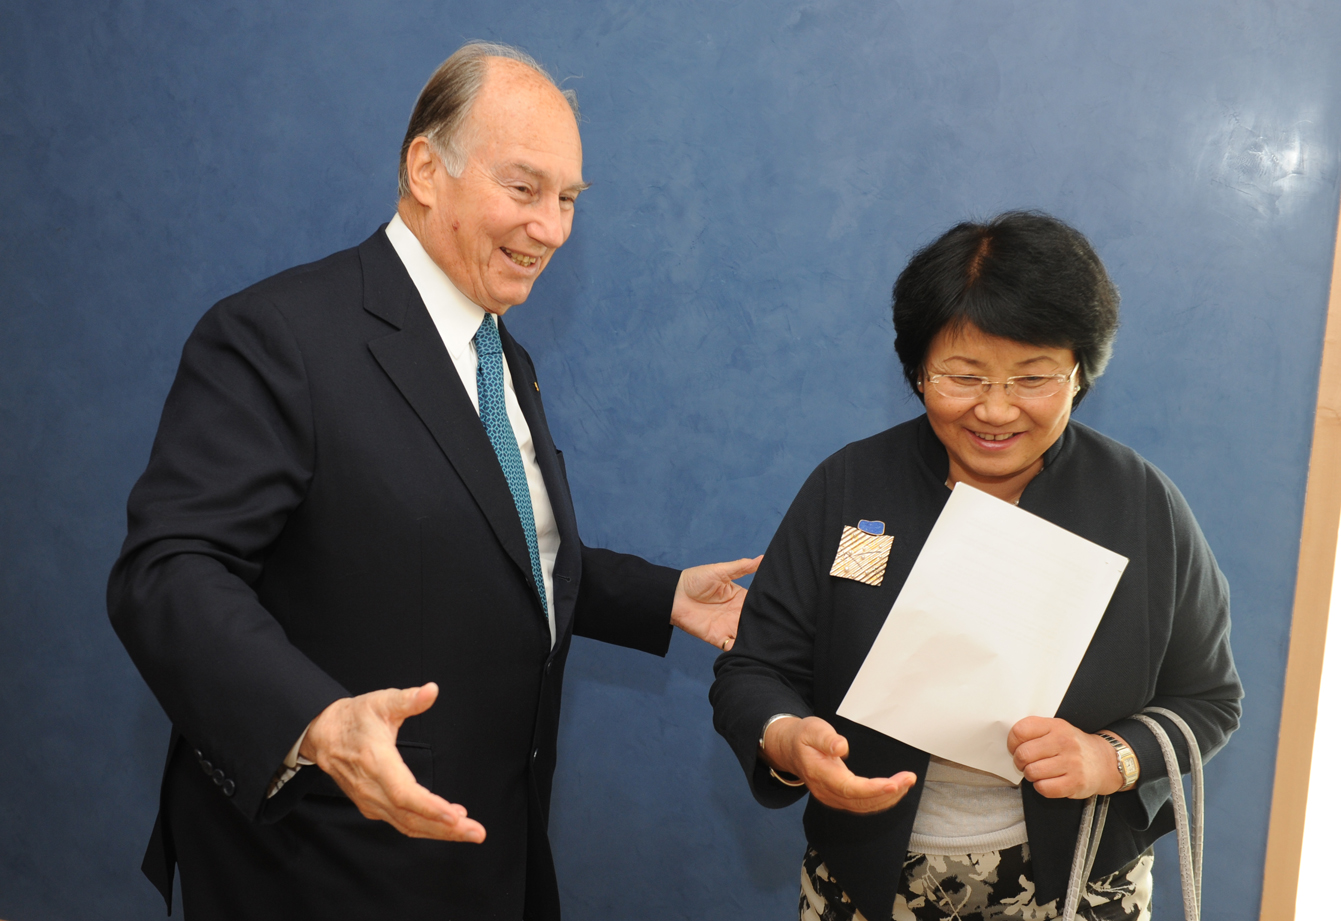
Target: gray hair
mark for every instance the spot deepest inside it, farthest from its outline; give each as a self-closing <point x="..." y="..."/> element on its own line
<point x="444" y="103"/>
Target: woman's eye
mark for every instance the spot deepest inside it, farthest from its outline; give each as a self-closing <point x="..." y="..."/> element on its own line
<point x="1033" y="380"/>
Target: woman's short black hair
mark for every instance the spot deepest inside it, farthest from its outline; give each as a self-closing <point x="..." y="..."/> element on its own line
<point x="1025" y="276"/>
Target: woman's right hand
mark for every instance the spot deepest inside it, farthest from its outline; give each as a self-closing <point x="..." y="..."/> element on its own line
<point x="813" y="750"/>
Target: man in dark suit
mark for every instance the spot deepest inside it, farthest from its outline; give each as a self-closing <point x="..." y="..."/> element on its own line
<point x="353" y="570"/>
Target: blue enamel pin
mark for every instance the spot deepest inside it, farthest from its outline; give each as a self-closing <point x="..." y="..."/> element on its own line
<point x="871" y="527"/>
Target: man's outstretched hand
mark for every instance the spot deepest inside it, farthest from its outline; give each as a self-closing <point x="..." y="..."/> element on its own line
<point x="354" y="740"/>
<point x="707" y="601"/>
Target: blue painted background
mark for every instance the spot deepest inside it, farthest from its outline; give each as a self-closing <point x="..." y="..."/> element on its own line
<point x="717" y="325"/>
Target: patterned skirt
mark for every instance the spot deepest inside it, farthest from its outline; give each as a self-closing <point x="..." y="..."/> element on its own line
<point x="994" y="886"/>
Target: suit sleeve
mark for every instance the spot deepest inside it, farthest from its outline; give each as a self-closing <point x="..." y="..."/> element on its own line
<point x="625" y="600"/>
<point x="233" y="457"/>
<point x="770" y="668"/>
<point x="1197" y="678"/>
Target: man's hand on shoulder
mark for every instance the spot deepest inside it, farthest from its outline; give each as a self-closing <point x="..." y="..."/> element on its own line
<point x="708" y="601"/>
<point x="354" y="741"/>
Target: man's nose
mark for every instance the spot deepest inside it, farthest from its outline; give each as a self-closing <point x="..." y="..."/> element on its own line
<point x="548" y="224"/>
<point x="996" y="408"/>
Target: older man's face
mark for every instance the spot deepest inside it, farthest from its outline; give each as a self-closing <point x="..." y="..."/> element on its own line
<point x="494" y="229"/>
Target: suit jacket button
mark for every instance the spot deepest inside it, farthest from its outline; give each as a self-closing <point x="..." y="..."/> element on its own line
<point x="218" y="777"/>
<point x="206" y="767"/>
<point x="535" y="755"/>
<point x="228" y="788"/>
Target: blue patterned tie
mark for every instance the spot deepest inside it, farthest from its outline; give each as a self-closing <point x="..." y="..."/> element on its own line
<point x="494" y="415"/>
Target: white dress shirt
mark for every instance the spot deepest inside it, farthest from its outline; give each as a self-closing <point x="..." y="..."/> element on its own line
<point x="457" y="318"/>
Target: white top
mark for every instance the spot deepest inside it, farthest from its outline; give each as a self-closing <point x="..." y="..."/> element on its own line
<point x="966" y="811"/>
<point x="457" y="318"/>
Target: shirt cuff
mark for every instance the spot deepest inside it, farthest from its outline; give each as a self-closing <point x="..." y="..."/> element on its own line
<point x="293" y="762"/>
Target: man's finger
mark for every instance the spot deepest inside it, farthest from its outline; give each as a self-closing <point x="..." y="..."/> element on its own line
<point x="415" y="825"/>
<point x="411" y="701"/>
<point x="418" y="811"/>
<point x="742" y="567"/>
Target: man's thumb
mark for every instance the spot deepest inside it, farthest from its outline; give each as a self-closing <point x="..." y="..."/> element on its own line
<point x="413" y="701"/>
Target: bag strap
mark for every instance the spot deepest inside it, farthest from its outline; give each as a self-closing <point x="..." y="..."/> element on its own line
<point x="1087" y="846"/>
<point x="1189" y="840"/>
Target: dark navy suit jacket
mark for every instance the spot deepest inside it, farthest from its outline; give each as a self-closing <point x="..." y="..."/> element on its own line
<point x="323" y="515"/>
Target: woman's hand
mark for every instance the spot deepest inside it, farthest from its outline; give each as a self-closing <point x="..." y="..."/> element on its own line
<point x="813" y="750"/>
<point x="1061" y="761"/>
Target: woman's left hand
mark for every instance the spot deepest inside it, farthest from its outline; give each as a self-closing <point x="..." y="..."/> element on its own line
<point x="1061" y="761"/>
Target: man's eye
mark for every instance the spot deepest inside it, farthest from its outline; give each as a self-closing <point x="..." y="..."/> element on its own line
<point x="967" y="380"/>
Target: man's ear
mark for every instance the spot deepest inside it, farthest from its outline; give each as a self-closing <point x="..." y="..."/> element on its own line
<point x="422" y="167"/>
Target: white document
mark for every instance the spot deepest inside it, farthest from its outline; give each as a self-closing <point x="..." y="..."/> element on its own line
<point x="990" y="627"/>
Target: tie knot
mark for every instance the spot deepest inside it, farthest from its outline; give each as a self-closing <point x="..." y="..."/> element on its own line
<point x="486" y="338"/>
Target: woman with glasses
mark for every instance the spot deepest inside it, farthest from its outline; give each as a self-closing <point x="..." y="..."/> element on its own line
<point x="1002" y="328"/>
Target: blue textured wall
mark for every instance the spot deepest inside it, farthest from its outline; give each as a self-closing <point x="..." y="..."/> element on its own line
<point x="716" y="326"/>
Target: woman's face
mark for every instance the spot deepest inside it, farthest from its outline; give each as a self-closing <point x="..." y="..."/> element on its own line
<point x="995" y="442"/>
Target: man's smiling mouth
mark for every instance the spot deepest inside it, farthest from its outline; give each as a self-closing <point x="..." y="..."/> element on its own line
<point x="1001" y="436"/>
<point x="519" y="258"/>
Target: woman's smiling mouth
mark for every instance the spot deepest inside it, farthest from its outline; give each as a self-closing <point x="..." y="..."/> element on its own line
<point x="994" y="440"/>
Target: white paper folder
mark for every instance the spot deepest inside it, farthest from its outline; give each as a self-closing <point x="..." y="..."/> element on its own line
<point x="989" y="628"/>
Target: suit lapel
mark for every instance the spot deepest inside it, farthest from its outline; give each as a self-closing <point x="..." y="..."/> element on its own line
<point x="418" y="364"/>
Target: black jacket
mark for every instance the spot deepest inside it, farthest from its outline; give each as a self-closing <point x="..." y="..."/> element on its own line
<point x="1163" y="641"/>
<point x="323" y="515"/>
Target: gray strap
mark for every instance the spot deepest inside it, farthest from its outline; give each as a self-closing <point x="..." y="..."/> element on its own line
<point x="1189" y="841"/>
<point x="1087" y="846"/>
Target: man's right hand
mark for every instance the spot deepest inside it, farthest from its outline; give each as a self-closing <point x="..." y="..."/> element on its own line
<point x="813" y="750"/>
<point x="354" y="741"/>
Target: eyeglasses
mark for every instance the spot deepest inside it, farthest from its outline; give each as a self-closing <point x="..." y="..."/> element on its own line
<point x="1022" y="386"/>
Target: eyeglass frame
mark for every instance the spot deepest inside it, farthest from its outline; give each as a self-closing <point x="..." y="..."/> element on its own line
<point x="1006" y="384"/>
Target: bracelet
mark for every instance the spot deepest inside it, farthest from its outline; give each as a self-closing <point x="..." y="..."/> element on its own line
<point x="794" y="781"/>
<point x="770" y="721"/>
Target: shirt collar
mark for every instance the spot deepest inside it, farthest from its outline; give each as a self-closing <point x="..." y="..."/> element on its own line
<point x="456" y="316"/>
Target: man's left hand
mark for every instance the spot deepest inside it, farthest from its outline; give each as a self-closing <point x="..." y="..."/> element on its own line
<point x="708" y="601"/>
